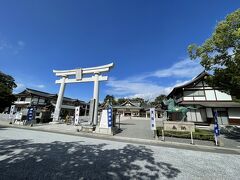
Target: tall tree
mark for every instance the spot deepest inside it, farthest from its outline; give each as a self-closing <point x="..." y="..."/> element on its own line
<point x="111" y="99"/>
<point x="6" y="87"/>
<point x="220" y="54"/>
<point x="159" y="99"/>
<point x="121" y="101"/>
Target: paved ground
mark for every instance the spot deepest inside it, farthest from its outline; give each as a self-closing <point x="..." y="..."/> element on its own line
<point x="135" y="129"/>
<point x="26" y="154"/>
<point x="141" y="129"/>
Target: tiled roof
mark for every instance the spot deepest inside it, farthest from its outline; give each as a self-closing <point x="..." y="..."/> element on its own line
<point x="194" y="80"/>
<point x="45" y="94"/>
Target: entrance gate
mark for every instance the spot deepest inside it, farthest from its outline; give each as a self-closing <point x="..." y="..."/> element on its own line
<point x="80" y="77"/>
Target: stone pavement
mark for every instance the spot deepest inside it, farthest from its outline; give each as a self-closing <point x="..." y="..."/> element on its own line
<point x="134" y="128"/>
<point x="28" y="154"/>
<point x="171" y="142"/>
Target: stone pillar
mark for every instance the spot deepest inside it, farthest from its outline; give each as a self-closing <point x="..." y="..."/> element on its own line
<point x="85" y="113"/>
<point x="59" y="100"/>
<point x="96" y="97"/>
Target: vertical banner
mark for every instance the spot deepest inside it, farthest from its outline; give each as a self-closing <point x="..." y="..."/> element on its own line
<point x="216" y="127"/>
<point x="110" y="117"/>
<point x="12" y="109"/>
<point x="153" y="119"/>
<point x="77" y="113"/>
<point x="31" y="113"/>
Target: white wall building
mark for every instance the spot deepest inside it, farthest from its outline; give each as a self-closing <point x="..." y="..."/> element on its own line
<point x="206" y="99"/>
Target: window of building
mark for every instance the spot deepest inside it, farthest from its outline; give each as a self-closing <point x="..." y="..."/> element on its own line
<point x="22" y="99"/>
<point x="194" y="93"/>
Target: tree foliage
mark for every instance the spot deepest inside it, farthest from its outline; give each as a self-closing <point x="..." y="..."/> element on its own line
<point x="158" y="100"/>
<point x="220" y="54"/>
<point x="121" y="101"/>
<point x="6" y="87"/>
<point x="111" y="99"/>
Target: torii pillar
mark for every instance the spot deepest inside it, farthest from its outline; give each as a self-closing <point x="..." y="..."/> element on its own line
<point x="79" y="77"/>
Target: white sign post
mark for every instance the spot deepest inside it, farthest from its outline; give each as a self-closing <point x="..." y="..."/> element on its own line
<point x="153" y="121"/>
<point x="77" y="112"/>
<point x="12" y="109"/>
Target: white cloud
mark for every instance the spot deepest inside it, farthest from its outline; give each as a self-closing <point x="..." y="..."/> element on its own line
<point x="183" y="69"/>
<point x="140" y="86"/>
<point x="21" y="44"/>
<point x="15" y="48"/>
<point x="5" y="45"/>
<point x="20" y="87"/>
<point x="146" y="90"/>
<point x="41" y="86"/>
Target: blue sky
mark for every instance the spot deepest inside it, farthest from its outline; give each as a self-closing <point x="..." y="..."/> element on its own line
<point x="147" y="41"/>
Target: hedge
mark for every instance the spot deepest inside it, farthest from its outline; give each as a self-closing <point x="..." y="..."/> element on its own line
<point x="198" y="134"/>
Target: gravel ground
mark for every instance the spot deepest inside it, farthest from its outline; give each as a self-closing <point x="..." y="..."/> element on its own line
<point x="27" y="154"/>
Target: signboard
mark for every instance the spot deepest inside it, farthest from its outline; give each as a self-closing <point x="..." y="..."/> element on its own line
<point x="110" y="117"/>
<point x="31" y="114"/>
<point x="216" y="126"/>
<point x="12" y="109"/>
<point x="153" y="119"/>
<point x="106" y="118"/>
<point x="178" y="126"/>
<point x="77" y="112"/>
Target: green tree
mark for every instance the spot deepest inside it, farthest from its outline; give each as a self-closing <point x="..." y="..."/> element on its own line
<point x="111" y="99"/>
<point x="220" y="54"/>
<point x="138" y="99"/>
<point x="121" y="101"/>
<point x="159" y="99"/>
<point x="6" y="87"/>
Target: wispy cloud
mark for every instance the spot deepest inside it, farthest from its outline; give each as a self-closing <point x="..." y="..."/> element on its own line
<point x="40" y="86"/>
<point x="183" y="69"/>
<point x="20" y="87"/>
<point x="141" y="86"/>
<point x="12" y="47"/>
<point x="128" y="88"/>
<point x="4" y="45"/>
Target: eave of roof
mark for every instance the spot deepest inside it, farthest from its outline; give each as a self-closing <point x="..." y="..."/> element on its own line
<point x="212" y="104"/>
<point x="197" y="78"/>
<point x="48" y="95"/>
<point x="127" y="107"/>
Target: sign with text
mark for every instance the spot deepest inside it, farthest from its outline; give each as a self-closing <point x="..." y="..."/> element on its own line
<point x="110" y="117"/>
<point x="216" y="126"/>
<point x="31" y="113"/>
<point x="12" y="109"/>
<point x="153" y="119"/>
<point x="77" y="112"/>
<point x="106" y="118"/>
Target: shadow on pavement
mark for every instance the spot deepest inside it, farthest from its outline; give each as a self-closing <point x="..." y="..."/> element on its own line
<point x="22" y="159"/>
<point x="231" y="132"/>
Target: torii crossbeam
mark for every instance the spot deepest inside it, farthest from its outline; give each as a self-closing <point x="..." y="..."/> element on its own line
<point x="79" y="74"/>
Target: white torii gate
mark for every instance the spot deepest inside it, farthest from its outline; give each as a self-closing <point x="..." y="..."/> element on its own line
<point x="79" y="78"/>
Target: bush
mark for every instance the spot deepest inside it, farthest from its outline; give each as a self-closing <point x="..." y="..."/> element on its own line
<point x="198" y="134"/>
